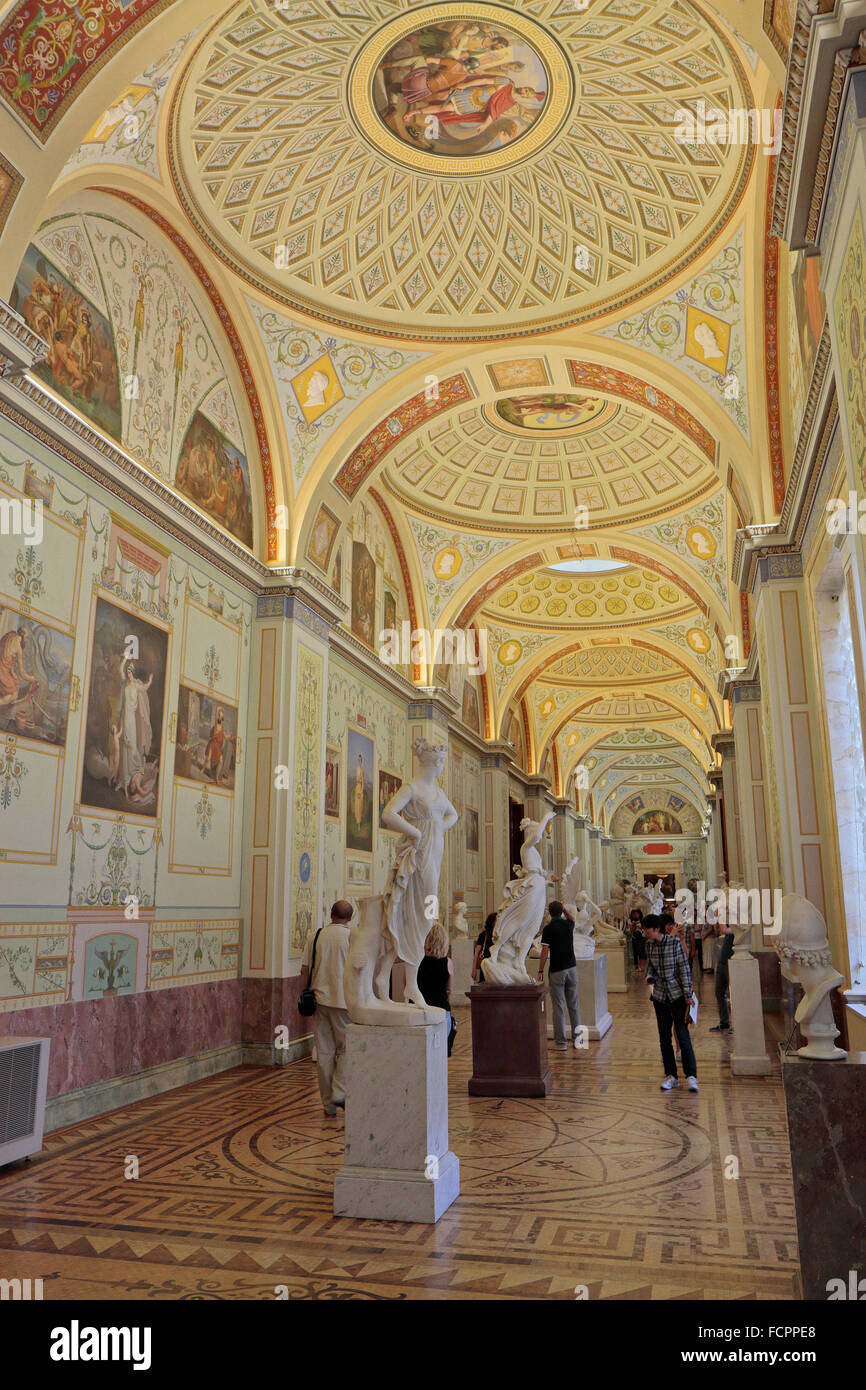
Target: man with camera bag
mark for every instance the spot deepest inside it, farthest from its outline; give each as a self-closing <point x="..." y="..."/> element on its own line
<point x="324" y="961"/>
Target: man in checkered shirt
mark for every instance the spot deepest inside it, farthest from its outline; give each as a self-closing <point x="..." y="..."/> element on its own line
<point x="669" y="974"/>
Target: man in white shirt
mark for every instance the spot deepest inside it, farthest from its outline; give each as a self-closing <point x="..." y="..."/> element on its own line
<point x="331" y="1016"/>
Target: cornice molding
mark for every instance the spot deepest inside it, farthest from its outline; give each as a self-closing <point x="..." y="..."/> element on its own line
<point x="824" y="41"/>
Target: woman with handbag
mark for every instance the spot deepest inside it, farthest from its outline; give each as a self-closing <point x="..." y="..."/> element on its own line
<point x="436" y="976"/>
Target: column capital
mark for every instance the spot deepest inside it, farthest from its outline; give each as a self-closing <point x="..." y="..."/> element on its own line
<point x="499" y="754"/>
<point x="745" y="692"/>
<point x="299" y="596"/>
<point x="723" y="742"/>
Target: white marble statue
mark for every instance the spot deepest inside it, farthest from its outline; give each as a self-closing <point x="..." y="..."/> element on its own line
<point x="630" y="895"/>
<point x="459" y="924"/>
<point x="616" y="902"/>
<point x="521" y="914"/>
<point x="804" y="954"/>
<point x="569" y="886"/>
<point x="398" y="923"/>
<point x="644" y="899"/>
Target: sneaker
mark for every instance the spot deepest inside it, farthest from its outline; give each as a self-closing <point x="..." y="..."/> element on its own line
<point x="670" y="1083"/>
<point x="561" y="1047"/>
<point x="692" y="1083"/>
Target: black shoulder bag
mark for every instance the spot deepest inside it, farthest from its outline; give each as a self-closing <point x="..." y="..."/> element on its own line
<point x="307" y="997"/>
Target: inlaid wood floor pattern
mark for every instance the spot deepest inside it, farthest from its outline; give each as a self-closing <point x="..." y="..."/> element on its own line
<point x="608" y="1183"/>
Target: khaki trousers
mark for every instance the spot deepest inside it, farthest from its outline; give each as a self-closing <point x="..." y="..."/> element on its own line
<point x="330" y="1028"/>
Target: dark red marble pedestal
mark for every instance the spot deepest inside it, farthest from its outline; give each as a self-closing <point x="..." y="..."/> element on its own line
<point x="509" y="1041"/>
<point x="826" y="1102"/>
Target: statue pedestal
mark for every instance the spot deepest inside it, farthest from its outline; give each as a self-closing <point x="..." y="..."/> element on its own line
<point x="591" y="998"/>
<point x="825" y="1103"/>
<point x="616" y="980"/>
<point x="592" y="995"/>
<point x="398" y="1166"/>
<point x="462" y="951"/>
<point x="749" y="1055"/>
<point x="509" y="1041"/>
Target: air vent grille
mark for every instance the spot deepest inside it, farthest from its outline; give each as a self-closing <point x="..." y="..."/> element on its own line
<point x="19" y="1085"/>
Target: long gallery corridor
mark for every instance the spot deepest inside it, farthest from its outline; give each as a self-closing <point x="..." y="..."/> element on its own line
<point x="606" y="1183"/>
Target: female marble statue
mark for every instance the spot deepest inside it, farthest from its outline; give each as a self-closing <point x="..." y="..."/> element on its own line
<point x="520" y="916"/>
<point x="616" y="902"/>
<point x="398" y="923"/>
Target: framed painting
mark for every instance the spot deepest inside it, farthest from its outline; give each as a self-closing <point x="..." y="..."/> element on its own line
<point x="359" y="792"/>
<point x="35" y="675"/>
<point x="363" y="594"/>
<point x="212" y="473"/>
<point x="333" y="762"/>
<point x="471" y="830"/>
<point x="389" y="784"/>
<point x="207" y="736"/>
<point x="125" y="710"/>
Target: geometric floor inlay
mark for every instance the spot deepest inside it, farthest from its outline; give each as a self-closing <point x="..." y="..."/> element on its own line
<point x="608" y="1183"/>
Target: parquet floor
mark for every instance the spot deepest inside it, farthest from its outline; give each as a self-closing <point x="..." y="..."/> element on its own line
<point x="608" y="1184"/>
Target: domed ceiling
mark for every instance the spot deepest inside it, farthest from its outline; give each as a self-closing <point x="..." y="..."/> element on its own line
<point x="576" y="291"/>
<point x="456" y="173"/>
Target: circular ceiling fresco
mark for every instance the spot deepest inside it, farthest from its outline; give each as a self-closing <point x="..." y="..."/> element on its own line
<point x="400" y="175"/>
<point x="445" y="93"/>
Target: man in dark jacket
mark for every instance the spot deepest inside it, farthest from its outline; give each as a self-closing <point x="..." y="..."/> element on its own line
<point x="722" y="980"/>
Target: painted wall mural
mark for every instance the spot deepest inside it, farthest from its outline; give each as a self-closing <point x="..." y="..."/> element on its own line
<point x="448" y="558"/>
<point x="126" y="131"/>
<point x="701" y="330"/>
<point x="308" y="743"/>
<point x="212" y="473"/>
<point x="135" y="350"/>
<point x="91" y="818"/>
<point x="657" y="823"/>
<point x="849" y="308"/>
<point x="320" y="379"/>
<point x="207" y="734"/>
<point x="49" y="50"/>
<point x="81" y="364"/>
<point x="700" y="537"/>
<point x="125" y="707"/>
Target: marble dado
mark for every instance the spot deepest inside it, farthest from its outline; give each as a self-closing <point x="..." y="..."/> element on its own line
<point x="111" y="1051"/>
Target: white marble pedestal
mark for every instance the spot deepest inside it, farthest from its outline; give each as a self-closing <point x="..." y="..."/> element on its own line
<point x="591" y="998"/>
<point x="462" y="951"/>
<point x="749" y="1055"/>
<point x="592" y="995"/>
<point x="398" y="1166"/>
<point x="616" y="981"/>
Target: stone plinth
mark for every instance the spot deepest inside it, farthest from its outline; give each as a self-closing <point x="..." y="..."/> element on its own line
<point x="749" y="1054"/>
<point x="591" y="998"/>
<point x="398" y="1166"/>
<point x="616" y="978"/>
<point x="509" y="1041"/>
<point x="825" y="1102"/>
<point x="592" y="995"/>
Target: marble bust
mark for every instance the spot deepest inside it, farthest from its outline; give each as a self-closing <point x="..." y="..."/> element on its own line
<point x="804" y="954"/>
<point x="459" y="925"/>
<point x="397" y="923"/>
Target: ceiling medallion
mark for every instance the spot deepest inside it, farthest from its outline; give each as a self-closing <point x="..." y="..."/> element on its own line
<point x="551" y="413"/>
<point x="448" y="92"/>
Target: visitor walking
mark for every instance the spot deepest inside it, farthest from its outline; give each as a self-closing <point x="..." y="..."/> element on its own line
<point x="638" y="940"/>
<point x="557" y="941"/>
<point x="324" y="960"/>
<point x="483" y="942"/>
<point x="722" y="980"/>
<point x="436" y="976"/>
<point x="668" y="973"/>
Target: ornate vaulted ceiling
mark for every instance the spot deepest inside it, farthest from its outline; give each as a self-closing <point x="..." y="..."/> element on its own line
<point x="528" y="308"/>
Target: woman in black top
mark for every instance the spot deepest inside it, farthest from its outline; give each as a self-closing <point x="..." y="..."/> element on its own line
<point x="436" y="975"/>
<point x="638" y="940"/>
<point x="482" y="947"/>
